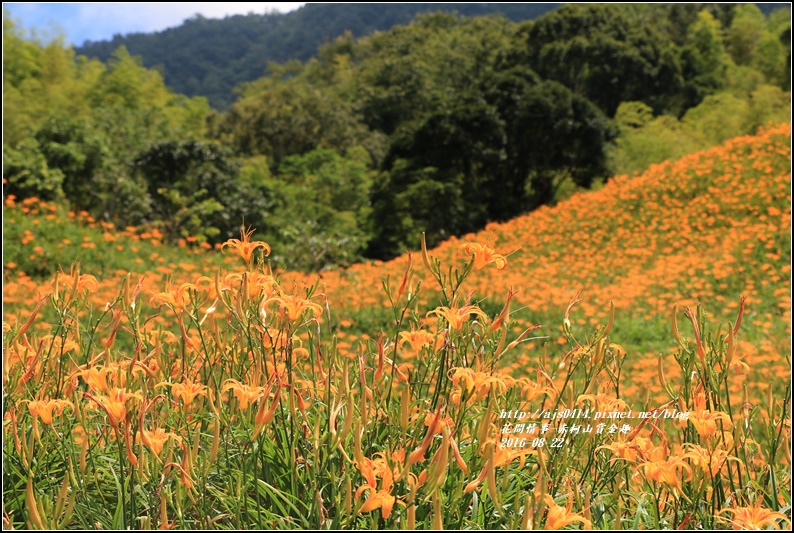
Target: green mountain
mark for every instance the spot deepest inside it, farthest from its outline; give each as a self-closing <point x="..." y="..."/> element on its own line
<point x="210" y="57"/>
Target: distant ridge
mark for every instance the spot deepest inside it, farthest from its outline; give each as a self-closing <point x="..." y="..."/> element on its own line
<point x="210" y="57"/>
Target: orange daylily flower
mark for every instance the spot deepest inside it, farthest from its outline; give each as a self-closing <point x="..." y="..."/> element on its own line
<point x="416" y="339"/>
<point x="457" y="316"/>
<point x="245" y="394"/>
<point x="187" y="390"/>
<point x="77" y="281"/>
<point x="668" y="472"/>
<point x="155" y="440"/>
<point x="477" y="385"/>
<point x="44" y="409"/>
<point x="97" y="377"/>
<point x="484" y="255"/>
<point x="115" y="404"/>
<point x="711" y="462"/>
<point x="436" y="421"/>
<point x="755" y="518"/>
<point x="178" y="298"/>
<point x="531" y="390"/>
<point x="705" y="422"/>
<point x="293" y="307"/>
<point x="621" y="450"/>
<point x="558" y="516"/>
<point x="59" y="345"/>
<point x="603" y="402"/>
<point x="378" y="499"/>
<point x="245" y="247"/>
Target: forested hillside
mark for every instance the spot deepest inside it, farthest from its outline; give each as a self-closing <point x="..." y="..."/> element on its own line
<point x="441" y="125"/>
<point x="210" y="57"/>
<point x="576" y="311"/>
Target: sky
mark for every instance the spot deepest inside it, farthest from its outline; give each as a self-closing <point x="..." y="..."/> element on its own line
<point x="100" y="21"/>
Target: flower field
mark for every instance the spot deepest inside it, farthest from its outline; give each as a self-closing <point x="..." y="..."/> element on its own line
<point x="619" y="360"/>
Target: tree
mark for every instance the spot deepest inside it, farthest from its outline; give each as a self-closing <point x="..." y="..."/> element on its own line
<point x="745" y="32"/>
<point x="279" y="118"/>
<point x="493" y="154"/>
<point x="193" y="190"/>
<point x="601" y="53"/>
<point x="549" y="130"/>
<point x="320" y="208"/>
<point x="435" y="176"/>
<point x="704" y="59"/>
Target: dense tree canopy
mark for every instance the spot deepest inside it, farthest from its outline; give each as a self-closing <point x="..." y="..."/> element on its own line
<point x="441" y="126"/>
<point x="210" y="57"/>
<point x="605" y="54"/>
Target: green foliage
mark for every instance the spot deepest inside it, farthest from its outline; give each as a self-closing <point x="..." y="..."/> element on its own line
<point x="440" y="126"/>
<point x="40" y="80"/>
<point x="279" y="118"/>
<point x="193" y="191"/>
<point x="767" y="104"/>
<point x="645" y="140"/>
<point x="675" y="20"/>
<point x="719" y="117"/>
<point x="745" y="32"/>
<point x="442" y="108"/>
<point x="604" y="53"/>
<point x="736" y="67"/>
<point x="478" y="161"/>
<point x="83" y="156"/>
<point x="210" y="57"/>
<point x="319" y="212"/>
<point x="704" y="58"/>
<point x="415" y="70"/>
<point x="74" y="127"/>
<point x="26" y="173"/>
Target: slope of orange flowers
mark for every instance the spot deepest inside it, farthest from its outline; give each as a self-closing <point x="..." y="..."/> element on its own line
<point x="707" y="229"/>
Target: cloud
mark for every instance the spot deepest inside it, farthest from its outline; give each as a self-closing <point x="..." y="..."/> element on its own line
<point x="96" y="22"/>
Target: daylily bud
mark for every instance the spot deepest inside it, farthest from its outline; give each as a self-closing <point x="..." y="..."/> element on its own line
<point x="163" y="511"/>
<point x="729" y="346"/>
<point x="771" y="403"/>
<point x="438" y="523"/>
<point x="348" y="505"/>
<point x="438" y="465"/>
<point x="739" y="317"/>
<point x="128" y="441"/>
<point x="490" y="474"/>
<point x="662" y="380"/>
<point x="62" y="494"/>
<point x="55" y="287"/>
<point x="458" y="459"/>
<point x="32" y="507"/>
<point x="404" y="284"/>
<point x="526" y="518"/>
<point x="216" y="433"/>
<point x="700" y="351"/>
<point x="611" y="319"/>
<point x="425" y="256"/>
<point x="381" y="350"/>
<point x="504" y="316"/>
<point x="405" y="406"/>
<point x="262" y="417"/>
